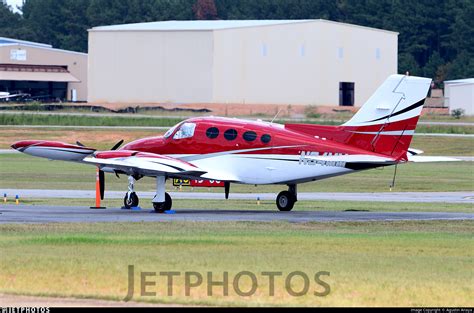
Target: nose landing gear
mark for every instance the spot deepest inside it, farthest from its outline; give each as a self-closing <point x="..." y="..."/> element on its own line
<point x="131" y="199"/>
<point x="286" y="199"/>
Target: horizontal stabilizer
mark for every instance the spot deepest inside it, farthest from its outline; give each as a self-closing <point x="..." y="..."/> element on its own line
<point x="413" y="151"/>
<point x="427" y="159"/>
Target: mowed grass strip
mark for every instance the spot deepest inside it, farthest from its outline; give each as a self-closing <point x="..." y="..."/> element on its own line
<point x="445" y="129"/>
<point x="447" y="146"/>
<point x="84" y="120"/>
<point x="267" y="205"/>
<point x="370" y="264"/>
<point x="26" y="172"/>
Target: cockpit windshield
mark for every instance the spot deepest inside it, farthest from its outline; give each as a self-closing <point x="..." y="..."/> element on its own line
<point x="185" y="131"/>
<point x="170" y="131"/>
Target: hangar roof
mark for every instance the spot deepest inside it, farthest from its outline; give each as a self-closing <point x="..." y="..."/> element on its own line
<point x="9" y="42"/>
<point x="197" y="25"/>
<point x="4" y="41"/>
<point x="460" y="81"/>
<point x="205" y="25"/>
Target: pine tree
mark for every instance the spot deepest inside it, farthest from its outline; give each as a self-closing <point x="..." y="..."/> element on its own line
<point x="205" y="10"/>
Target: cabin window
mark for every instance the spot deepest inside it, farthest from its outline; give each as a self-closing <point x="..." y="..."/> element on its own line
<point x="249" y="136"/>
<point x="212" y="132"/>
<point x="230" y="134"/>
<point x="266" y="138"/>
<point x="185" y="131"/>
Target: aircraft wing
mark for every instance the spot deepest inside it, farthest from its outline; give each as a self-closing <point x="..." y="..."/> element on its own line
<point x="143" y="163"/>
<point x="120" y="161"/>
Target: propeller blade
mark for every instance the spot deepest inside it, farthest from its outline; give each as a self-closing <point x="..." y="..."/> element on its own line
<point x="118" y="144"/>
<point x="226" y="189"/>
<point x="79" y="143"/>
<point x="101" y="184"/>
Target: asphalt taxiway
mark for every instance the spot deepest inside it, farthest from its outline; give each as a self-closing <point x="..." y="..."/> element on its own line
<point x="64" y="214"/>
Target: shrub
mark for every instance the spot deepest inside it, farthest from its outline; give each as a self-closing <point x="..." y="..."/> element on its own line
<point x="457" y="113"/>
<point x="311" y="111"/>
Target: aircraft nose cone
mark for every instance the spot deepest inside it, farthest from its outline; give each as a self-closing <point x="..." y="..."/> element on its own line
<point x="19" y="145"/>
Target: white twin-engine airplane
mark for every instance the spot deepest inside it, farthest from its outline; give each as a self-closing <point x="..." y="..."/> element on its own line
<point x="8" y="96"/>
<point x="254" y="152"/>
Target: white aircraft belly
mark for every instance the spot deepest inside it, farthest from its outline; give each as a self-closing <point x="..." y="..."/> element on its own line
<point x="251" y="169"/>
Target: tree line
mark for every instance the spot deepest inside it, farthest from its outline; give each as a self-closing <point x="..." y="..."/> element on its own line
<point x="436" y="38"/>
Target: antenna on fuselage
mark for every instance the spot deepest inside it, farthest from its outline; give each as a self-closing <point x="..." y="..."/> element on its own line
<point x="276" y="115"/>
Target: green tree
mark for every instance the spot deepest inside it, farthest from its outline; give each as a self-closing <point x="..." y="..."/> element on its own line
<point x="433" y="66"/>
<point x="205" y="10"/>
<point x="436" y="39"/>
<point x="9" y="21"/>
<point x="407" y="63"/>
<point x="461" y="67"/>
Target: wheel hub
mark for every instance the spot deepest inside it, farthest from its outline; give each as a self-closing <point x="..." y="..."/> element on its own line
<point x="283" y="201"/>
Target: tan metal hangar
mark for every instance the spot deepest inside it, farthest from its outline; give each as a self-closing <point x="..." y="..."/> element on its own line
<point x="312" y="62"/>
<point x="45" y="73"/>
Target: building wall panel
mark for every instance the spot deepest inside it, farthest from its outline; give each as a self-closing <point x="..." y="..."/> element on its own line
<point x="149" y="67"/>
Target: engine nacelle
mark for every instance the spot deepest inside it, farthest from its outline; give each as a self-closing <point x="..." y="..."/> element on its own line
<point x="53" y="150"/>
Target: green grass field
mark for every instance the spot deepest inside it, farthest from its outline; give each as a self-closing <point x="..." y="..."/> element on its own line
<point x="264" y="205"/>
<point x="370" y="264"/>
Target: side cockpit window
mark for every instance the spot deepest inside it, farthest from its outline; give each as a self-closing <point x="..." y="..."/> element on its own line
<point x="170" y="131"/>
<point x="185" y="131"/>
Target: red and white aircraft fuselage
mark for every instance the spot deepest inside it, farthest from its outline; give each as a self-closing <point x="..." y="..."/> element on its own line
<point x="256" y="152"/>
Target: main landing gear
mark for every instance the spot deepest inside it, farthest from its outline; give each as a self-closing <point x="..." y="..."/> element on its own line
<point x="161" y="207"/>
<point x="161" y="202"/>
<point x="286" y="199"/>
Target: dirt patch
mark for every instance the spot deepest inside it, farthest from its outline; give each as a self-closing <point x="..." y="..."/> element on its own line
<point x="233" y="109"/>
<point x="238" y="109"/>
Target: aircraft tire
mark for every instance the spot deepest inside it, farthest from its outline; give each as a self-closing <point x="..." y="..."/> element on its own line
<point x="132" y="201"/>
<point x="285" y="201"/>
<point x="161" y="207"/>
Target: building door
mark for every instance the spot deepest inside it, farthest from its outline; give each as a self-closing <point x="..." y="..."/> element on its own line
<point x="346" y="94"/>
